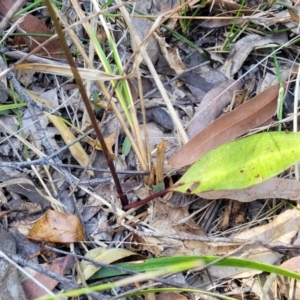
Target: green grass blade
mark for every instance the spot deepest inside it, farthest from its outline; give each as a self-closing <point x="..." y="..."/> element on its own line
<point x="4" y="107"/>
<point x="171" y="269"/>
<point x="242" y="163"/>
<point x="161" y="262"/>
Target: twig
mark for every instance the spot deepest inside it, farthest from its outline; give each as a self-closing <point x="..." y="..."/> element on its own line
<point x="176" y="77"/>
<point x="67" y="283"/>
<point x="45" y="160"/>
<point x="33" y="58"/>
<point x="277" y="246"/>
<point x="10" y="76"/>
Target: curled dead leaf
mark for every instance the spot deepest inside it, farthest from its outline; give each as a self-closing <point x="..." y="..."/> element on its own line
<point x="57" y="227"/>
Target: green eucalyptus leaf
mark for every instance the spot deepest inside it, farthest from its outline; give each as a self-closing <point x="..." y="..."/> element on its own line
<point x="242" y="163"/>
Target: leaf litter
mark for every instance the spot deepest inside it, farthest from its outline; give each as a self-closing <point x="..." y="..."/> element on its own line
<point x="50" y="199"/>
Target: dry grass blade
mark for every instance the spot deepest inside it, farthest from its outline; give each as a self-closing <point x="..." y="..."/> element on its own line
<point x="89" y="74"/>
<point x="104" y="90"/>
<point x="77" y="150"/>
<point x="153" y="72"/>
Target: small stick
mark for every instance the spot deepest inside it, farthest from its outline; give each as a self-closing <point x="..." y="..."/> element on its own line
<point x="10" y="76"/>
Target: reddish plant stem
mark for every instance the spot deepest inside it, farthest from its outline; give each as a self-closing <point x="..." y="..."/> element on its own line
<point x="86" y="101"/>
<point x="146" y="200"/>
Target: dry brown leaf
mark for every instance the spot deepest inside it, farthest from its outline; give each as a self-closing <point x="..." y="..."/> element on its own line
<point x="281" y="229"/>
<point x="77" y="150"/>
<point x="272" y="188"/>
<point x="228" y="127"/>
<point x="32" y="24"/>
<point x="26" y="187"/>
<point x="294" y="13"/>
<point x="242" y="48"/>
<point x="212" y="105"/>
<point x="147" y="243"/>
<point x="292" y="264"/>
<point x="57" y="227"/>
<point x="168" y="219"/>
<point x="59" y="266"/>
<point x="109" y="141"/>
<point x="170" y="54"/>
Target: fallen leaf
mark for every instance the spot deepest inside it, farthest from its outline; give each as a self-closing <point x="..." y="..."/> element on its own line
<point x="33" y="25"/>
<point x="282" y="229"/>
<point x="155" y="136"/>
<point x="103" y="255"/>
<point x="147" y="243"/>
<point x="228" y="127"/>
<point x="272" y="188"/>
<point x="170" y="54"/>
<point x="30" y="130"/>
<point x="204" y="78"/>
<point x="168" y="219"/>
<point x="77" y="150"/>
<point x="58" y="266"/>
<point x="57" y="227"/>
<point x="243" y="47"/>
<point x="241" y="163"/>
<point x="292" y="264"/>
<point x="294" y="12"/>
<point x="25" y="77"/>
<point x="24" y="186"/>
<point x="212" y="105"/>
<point x="109" y="141"/>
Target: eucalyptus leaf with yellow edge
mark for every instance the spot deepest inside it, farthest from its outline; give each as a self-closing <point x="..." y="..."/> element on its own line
<point x="241" y="163"/>
<point x="103" y="255"/>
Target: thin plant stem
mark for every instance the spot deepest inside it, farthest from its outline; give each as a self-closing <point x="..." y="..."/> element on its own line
<point x="86" y="101"/>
